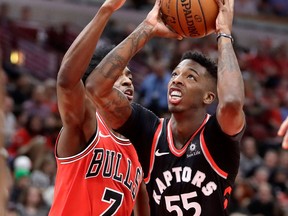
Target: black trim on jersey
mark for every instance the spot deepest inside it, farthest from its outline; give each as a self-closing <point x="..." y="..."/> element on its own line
<point x="141" y="119"/>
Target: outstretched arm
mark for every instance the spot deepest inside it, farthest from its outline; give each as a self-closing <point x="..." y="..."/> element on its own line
<point x="110" y="102"/>
<point x="283" y="131"/>
<point x="77" y="118"/>
<point x="230" y="85"/>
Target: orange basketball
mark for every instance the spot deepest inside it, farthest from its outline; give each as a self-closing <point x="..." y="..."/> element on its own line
<point x="190" y="18"/>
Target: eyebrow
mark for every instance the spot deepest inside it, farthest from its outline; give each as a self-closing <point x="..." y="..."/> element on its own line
<point x="194" y="71"/>
<point x="128" y="71"/>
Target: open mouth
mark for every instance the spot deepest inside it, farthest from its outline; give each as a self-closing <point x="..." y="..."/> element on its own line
<point x="129" y="94"/>
<point x="175" y="96"/>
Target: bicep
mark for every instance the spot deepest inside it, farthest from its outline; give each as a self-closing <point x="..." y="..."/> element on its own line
<point x="231" y="120"/>
<point x="71" y="104"/>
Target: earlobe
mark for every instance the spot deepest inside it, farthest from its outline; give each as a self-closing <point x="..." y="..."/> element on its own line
<point x="209" y="98"/>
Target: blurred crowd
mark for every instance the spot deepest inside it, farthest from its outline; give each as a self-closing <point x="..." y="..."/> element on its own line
<point x="32" y="120"/>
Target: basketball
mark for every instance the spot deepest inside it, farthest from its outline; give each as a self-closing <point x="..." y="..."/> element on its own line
<point x="190" y="18"/>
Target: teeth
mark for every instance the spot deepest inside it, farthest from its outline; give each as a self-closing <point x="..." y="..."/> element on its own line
<point x="176" y="93"/>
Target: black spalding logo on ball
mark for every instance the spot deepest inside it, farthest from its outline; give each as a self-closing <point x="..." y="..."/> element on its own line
<point x="198" y="18"/>
<point x="169" y="19"/>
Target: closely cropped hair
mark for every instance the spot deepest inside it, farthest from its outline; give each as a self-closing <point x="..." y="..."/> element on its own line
<point x="97" y="57"/>
<point x="209" y="64"/>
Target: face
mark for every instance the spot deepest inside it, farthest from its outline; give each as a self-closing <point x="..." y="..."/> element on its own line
<point x="188" y="87"/>
<point x="125" y="85"/>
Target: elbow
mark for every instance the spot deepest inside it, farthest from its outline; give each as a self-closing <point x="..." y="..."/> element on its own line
<point x="232" y="104"/>
<point x="63" y="78"/>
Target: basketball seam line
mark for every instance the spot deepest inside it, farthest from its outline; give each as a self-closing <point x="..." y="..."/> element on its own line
<point x="178" y="18"/>
<point x="199" y="1"/>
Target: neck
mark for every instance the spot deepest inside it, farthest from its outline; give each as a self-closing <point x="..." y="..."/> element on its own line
<point x="183" y="127"/>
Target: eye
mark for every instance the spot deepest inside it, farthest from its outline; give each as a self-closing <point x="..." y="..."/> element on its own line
<point x="130" y="77"/>
<point x="190" y="76"/>
<point x="173" y="74"/>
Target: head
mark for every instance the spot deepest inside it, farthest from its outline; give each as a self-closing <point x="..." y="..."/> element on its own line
<point x="124" y="82"/>
<point x="193" y="83"/>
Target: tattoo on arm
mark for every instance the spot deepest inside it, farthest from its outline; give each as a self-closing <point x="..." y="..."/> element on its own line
<point x="227" y="60"/>
<point x="119" y="59"/>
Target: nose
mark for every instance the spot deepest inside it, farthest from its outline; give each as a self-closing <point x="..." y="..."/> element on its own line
<point x="177" y="80"/>
<point x="126" y="81"/>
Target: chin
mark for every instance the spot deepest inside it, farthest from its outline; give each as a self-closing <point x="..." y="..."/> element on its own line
<point x="173" y="109"/>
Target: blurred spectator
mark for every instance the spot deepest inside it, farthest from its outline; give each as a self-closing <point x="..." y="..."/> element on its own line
<point x="29" y="140"/>
<point x="260" y="175"/>
<point x="241" y="197"/>
<point x="21" y="182"/>
<point x="271" y="159"/>
<point x="32" y="203"/>
<point x="25" y="18"/>
<point x="249" y="159"/>
<point x="20" y="90"/>
<point x="278" y="179"/>
<point x="10" y="121"/>
<point x="36" y="105"/>
<point x="153" y="90"/>
<point x="263" y="203"/>
<point x="43" y="176"/>
<point x="22" y="162"/>
<point x="5" y="21"/>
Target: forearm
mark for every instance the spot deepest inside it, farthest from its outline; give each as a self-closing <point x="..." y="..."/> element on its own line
<point x="230" y="89"/>
<point x="79" y="54"/>
<point x="230" y="81"/>
<point x="112" y="66"/>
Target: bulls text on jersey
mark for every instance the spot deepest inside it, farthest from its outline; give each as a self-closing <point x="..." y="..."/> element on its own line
<point x="109" y="162"/>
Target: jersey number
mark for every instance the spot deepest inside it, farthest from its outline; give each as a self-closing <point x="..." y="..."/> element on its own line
<point x="185" y="202"/>
<point x="114" y="198"/>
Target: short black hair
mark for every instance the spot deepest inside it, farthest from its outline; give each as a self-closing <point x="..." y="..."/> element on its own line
<point x="201" y="59"/>
<point x="97" y="57"/>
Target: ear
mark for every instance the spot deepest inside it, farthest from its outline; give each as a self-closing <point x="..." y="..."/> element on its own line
<point x="209" y="97"/>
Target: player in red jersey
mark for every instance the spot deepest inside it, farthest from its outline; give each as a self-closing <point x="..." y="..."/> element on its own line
<point x="190" y="160"/>
<point x="98" y="171"/>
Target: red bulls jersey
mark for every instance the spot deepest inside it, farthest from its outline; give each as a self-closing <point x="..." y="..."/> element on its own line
<point x="194" y="180"/>
<point x="101" y="180"/>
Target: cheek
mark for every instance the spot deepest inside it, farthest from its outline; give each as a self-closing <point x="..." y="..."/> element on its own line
<point x="117" y="84"/>
<point x="196" y="94"/>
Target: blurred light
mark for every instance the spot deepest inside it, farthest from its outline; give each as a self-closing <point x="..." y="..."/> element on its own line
<point x="17" y="57"/>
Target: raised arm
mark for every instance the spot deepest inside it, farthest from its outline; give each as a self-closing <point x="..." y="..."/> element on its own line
<point x="77" y="118"/>
<point x="230" y="85"/>
<point x="110" y="102"/>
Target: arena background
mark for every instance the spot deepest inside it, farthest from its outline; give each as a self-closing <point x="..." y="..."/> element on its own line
<point x="34" y="35"/>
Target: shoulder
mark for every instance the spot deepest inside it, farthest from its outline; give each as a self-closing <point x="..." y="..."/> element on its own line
<point x="140" y="119"/>
<point x="140" y="112"/>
